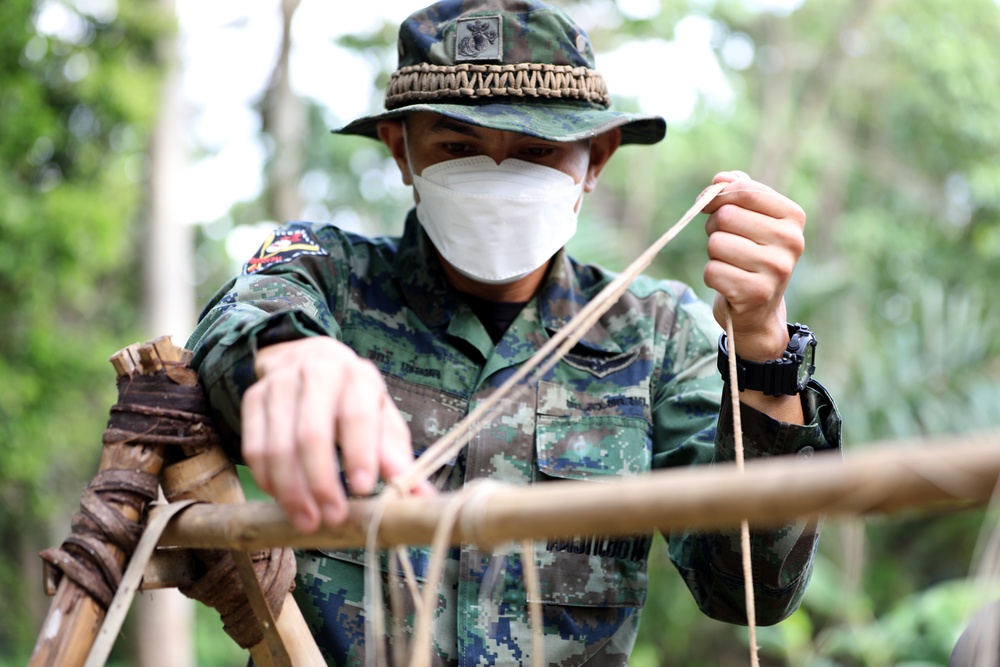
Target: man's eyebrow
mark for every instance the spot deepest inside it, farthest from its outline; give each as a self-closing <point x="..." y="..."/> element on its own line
<point x="449" y="125"/>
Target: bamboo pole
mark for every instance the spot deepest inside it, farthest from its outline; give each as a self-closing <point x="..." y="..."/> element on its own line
<point x="171" y="568"/>
<point x="208" y="475"/>
<point x="954" y="471"/>
<point x="74" y="618"/>
<point x="199" y="471"/>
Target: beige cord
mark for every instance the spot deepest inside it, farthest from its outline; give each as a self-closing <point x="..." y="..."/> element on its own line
<point x="533" y="593"/>
<point x="439" y="548"/>
<point x="447" y="448"/>
<point x="744" y="526"/>
<point x="375" y="632"/>
<point x="449" y="445"/>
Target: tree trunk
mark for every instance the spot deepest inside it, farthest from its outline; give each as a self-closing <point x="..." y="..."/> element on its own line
<point x="284" y="118"/>
<point x="164" y="620"/>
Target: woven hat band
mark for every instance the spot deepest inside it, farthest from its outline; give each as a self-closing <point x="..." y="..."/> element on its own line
<point x="424" y="82"/>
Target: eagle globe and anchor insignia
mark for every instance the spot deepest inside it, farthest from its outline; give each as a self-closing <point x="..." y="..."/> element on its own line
<point x="478" y="38"/>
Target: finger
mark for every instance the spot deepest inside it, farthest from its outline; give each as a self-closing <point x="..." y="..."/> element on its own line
<point x="773" y="261"/>
<point x="315" y="447"/>
<point x="731" y="176"/>
<point x="737" y="182"/>
<point x="287" y="477"/>
<point x="396" y="451"/>
<point x="744" y="290"/>
<point x="760" y="199"/>
<point x="753" y="195"/>
<point x="737" y="251"/>
<point x="358" y="426"/>
<point x="722" y="177"/>
<point x="757" y="227"/>
<point x="733" y="219"/>
<point x="254" y="421"/>
<point x="270" y="358"/>
<point x="253" y="429"/>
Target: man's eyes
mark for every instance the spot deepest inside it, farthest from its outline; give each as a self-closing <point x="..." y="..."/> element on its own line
<point x="538" y="151"/>
<point x="462" y="148"/>
<point x="457" y="148"/>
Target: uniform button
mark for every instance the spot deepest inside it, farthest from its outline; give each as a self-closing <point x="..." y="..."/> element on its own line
<point x="806" y="452"/>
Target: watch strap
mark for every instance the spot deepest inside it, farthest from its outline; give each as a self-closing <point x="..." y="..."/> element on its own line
<point x="777" y="377"/>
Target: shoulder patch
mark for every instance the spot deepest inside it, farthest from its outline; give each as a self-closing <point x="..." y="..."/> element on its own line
<point x="284" y="245"/>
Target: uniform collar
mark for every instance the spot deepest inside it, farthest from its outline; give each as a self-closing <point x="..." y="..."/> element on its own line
<point x="422" y="281"/>
<point x="567" y="289"/>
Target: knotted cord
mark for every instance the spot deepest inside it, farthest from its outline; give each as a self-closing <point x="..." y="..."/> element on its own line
<point x="448" y="447"/>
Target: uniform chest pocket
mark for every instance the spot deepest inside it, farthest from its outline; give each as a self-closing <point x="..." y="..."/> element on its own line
<point x="601" y="434"/>
<point x="594" y="435"/>
<point x="430" y="413"/>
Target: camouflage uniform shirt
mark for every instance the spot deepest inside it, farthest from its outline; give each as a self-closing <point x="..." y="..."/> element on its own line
<point x="640" y="391"/>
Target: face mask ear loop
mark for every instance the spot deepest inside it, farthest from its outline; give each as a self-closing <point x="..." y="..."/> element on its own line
<point x="583" y="180"/>
<point x="406" y="150"/>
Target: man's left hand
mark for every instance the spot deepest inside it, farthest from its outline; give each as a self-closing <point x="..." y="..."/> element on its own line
<point x="755" y="238"/>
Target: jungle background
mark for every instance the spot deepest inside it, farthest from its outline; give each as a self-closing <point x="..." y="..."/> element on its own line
<point x="880" y="117"/>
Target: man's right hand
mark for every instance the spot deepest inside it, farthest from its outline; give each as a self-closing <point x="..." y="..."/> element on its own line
<point x="310" y="394"/>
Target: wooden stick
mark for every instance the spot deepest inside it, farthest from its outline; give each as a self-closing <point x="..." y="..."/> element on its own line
<point x="74" y="618"/>
<point x="209" y="476"/>
<point x="171" y="568"/>
<point x="129" y="585"/>
<point x="771" y="492"/>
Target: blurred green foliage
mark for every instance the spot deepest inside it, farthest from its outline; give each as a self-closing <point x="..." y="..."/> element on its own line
<point x="75" y="111"/>
<point x="878" y="117"/>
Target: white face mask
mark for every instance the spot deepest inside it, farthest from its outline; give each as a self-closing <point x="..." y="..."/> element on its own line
<point x="496" y="223"/>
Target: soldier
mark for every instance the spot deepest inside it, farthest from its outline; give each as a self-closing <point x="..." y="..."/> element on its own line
<point x="334" y="356"/>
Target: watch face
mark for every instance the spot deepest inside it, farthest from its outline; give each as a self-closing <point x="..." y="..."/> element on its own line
<point x="808" y="365"/>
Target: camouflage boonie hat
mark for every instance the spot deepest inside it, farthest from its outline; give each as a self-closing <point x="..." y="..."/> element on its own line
<point x="516" y="65"/>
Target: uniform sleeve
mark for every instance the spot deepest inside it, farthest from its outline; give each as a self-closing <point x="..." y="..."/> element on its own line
<point x="294" y="296"/>
<point x="693" y="426"/>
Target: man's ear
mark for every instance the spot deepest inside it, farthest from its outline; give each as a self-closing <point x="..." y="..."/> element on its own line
<point x="602" y="147"/>
<point x="391" y="134"/>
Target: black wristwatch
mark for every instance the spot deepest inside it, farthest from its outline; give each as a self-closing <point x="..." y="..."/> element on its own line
<point x="786" y="376"/>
